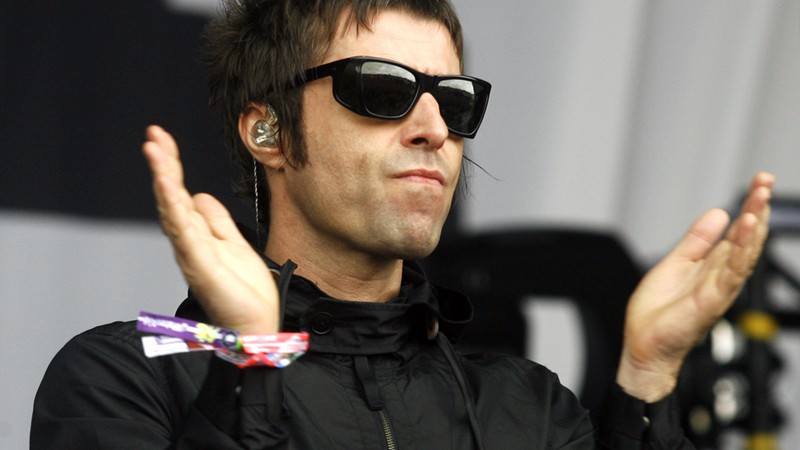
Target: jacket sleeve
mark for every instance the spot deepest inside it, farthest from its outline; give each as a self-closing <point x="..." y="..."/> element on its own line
<point x="627" y="423"/>
<point x="101" y="392"/>
<point x="241" y="409"/>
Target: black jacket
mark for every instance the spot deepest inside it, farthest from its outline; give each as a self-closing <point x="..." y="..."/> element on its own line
<point x="377" y="376"/>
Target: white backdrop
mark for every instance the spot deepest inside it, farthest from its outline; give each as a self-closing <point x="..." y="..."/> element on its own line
<point x="630" y="116"/>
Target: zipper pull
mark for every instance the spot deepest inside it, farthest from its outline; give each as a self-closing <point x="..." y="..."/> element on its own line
<point x="366" y="375"/>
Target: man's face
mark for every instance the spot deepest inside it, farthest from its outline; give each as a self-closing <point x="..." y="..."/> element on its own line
<point x="379" y="187"/>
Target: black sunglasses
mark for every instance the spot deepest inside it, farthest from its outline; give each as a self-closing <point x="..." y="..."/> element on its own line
<point x="385" y="89"/>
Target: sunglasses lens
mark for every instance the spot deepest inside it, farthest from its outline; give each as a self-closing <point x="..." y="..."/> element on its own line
<point x="388" y="90"/>
<point x="346" y="87"/>
<point x="461" y="103"/>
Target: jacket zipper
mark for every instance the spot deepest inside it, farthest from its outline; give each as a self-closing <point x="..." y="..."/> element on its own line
<point x="387" y="430"/>
<point x="372" y="395"/>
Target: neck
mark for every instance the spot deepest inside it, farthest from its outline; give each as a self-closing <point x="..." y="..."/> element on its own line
<point x="339" y="272"/>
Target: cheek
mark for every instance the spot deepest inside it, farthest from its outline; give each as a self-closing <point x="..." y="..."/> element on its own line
<point x="346" y="176"/>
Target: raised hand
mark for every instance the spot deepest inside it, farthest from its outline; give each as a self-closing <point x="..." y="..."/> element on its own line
<point x="690" y="289"/>
<point x="231" y="280"/>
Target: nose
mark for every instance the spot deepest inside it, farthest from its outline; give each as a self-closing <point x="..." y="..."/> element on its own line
<point x="424" y="126"/>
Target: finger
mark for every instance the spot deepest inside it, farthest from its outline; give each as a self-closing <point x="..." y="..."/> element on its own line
<point x="749" y="231"/>
<point x="187" y="231"/>
<point x="219" y="220"/>
<point x="157" y="134"/>
<point x="747" y="239"/>
<point x="177" y="213"/>
<point x="701" y="236"/>
<point x="764" y="179"/>
<point x="746" y="247"/>
<point x="708" y="228"/>
<point x="757" y="201"/>
<point x="733" y="260"/>
<point x="162" y="155"/>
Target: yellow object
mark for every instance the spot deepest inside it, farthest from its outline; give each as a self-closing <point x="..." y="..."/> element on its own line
<point x="758" y="325"/>
<point x="762" y="441"/>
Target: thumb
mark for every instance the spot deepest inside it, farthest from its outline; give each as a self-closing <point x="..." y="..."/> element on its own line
<point x="219" y="220"/>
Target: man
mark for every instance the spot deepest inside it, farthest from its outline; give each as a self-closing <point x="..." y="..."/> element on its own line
<point x="361" y="168"/>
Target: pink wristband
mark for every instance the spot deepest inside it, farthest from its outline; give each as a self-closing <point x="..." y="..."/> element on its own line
<point x="271" y="350"/>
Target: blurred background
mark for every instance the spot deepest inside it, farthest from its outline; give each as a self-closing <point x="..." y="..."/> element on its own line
<point x="609" y="119"/>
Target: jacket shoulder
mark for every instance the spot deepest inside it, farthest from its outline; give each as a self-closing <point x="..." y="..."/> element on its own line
<point x="508" y="366"/>
<point x="522" y="380"/>
<point x="518" y="392"/>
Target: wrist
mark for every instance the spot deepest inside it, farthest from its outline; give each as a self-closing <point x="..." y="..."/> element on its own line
<point x="167" y="335"/>
<point x="256" y="328"/>
<point x="260" y="322"/>
<point x="645" y="382"/>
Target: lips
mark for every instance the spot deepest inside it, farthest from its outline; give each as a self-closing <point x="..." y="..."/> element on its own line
<point x="423" y="175"/>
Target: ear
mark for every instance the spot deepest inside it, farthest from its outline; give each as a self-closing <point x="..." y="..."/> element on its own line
<point x="270" y="156"/>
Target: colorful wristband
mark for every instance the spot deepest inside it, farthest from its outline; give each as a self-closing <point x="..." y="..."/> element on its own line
<point x="177" y="335"/>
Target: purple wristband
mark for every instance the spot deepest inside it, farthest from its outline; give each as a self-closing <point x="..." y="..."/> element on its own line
<point x="188" y="330"/>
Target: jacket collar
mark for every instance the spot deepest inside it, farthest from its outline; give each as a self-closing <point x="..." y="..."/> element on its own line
<point x="348" y="327"/>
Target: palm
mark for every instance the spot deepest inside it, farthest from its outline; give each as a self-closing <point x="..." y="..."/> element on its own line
<point x="678" y="299"/>
<point x="229" y="277"/>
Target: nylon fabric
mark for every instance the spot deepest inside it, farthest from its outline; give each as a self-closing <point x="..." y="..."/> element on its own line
<point x="432" y="396"/>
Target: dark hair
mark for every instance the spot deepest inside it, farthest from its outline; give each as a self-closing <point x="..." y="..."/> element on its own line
<point x="256" y="50"/>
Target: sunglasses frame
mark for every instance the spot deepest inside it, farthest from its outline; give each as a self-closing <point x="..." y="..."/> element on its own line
<point x="425" y="83"/>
